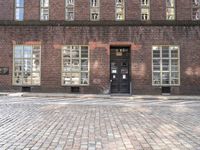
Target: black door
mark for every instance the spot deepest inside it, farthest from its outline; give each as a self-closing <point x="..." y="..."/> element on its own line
<point x="119" y="70"/>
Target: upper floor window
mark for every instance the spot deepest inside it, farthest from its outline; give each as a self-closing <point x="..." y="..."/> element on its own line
<point x="170" y="9"/>
<point x="69" y="10"/>
<point x="119" y="10"/>
<point x="94" y="10"/>
<point x="19" y="10"/>
<point x="44" y="9"/>
<point x="165" y="65"/>
<point x="26" y="64"/>
<point x="145" y="9"/>
<point x="196" y="10"/>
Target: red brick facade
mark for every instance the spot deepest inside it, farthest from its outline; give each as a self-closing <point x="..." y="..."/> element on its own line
<point x="99" y="39"/>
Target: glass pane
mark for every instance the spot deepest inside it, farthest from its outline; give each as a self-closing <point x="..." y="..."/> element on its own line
<point x="26" y="78"/>
<point x="165" y="65"/>
<point x="156" y="64"/>
<point x="17" y="75"/>
<point x="35" y="78"/>
<point x="196" y="3"/>
<point x="165" y="78"/>
<point x="75" y="62"/>
<point x="18" y="51"/>
<point x="36" y="65"/>
<point x="44" y="3"/>
<point x="84" y="65"/>
<point x="174" y="75"/>
<point x="66" y="78"/>
<point x="66" y="62"/>
<point x="174" y="81"/>
<point x="119" y="2"/>
<point x="44" y="14"/>
<point x="75" y="52"/>
<point x="145" y="2"/>
<point x="165" y="51"/>
<point x="18" y="62"/>
<point x="27" y="51"/>
<point x="156" y="78"/>
<point x="18" y="68"/>
<point x="27" y="65"/>
<point x="69" y="15"/>
<point x="170" y="13"/>
<point x="174" y="65"/>
<point x="196" y="13"/>
<point x="170" y="3"/>
<point x="84" y="78"/>
<point x="66" y="53"/>
<point x="17" y="81"/>
<point x="69" y="2"/>
<point x="19" y="3"/>
<point x="19" y="14"/>
<point x="84" y="52"/>
<point x="75" y="78"/>
<point x="156" y="54"/>
<point x="36" y="52"/>
<point x="174" y="52"/>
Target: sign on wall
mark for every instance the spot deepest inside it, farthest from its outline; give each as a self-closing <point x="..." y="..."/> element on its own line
<point x="4" y="70"/>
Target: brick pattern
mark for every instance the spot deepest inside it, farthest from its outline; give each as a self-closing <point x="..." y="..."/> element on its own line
<point x="98" y="124"/>
<point x="99" y="40"/>
<point x="107" y="10"/>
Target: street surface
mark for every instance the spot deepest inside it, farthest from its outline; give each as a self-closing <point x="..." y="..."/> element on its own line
<point x="98" y="124"/>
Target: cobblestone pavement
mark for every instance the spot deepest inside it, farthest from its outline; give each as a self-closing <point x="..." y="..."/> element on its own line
<point x="94" y="124"/>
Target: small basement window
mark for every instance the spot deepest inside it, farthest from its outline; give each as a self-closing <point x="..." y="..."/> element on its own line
<point x="26" y="89"/>
<point x="166" y="90"/>
<point x="75" y="89"/>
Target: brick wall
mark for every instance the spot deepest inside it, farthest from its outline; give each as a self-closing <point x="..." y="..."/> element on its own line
<point x="107" y="9"/>
<point x="99" y="39"/>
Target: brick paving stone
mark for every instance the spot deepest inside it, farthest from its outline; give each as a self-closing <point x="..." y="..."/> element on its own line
<point x="98" y="124"/>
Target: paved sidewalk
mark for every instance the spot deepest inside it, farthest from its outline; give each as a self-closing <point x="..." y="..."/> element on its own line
<point x="37" y="123"/>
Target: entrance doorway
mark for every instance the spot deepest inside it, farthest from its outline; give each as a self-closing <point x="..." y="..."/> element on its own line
<point x="120" y="69"/>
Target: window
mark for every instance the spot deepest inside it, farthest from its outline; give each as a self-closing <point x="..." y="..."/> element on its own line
<point x="170" y="9"/>
<point x="119" y="10"/>
<point x="44" y="9"/>
<point x="145" y="9"/>
<point x="94" y="9"/>
<point x="196" y="10"/>
<point x="19" y="10"/>
<point x="26" y="65"/>
<point x="165" y="65"/>
<point x="69" y="10"/>
<point x="75" y="69"/>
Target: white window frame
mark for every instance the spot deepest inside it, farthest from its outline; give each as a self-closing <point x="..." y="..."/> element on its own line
<point x="173" y="8"/>
<point x="170" y="66"/>
<point x="19" y="7"/>
<point x="62" y="66"/>
<point x="22" y="58"/>
<point x="122" y="6"/>
<point x="147" y="7"/>
<point x="195" y="10"/>
<point x="42" y="8"/>
<point x="95" y="9"/>
<point x="68" y="8"/>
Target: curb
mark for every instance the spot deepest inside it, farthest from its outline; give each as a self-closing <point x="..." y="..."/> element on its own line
<point x="131" y="97"/>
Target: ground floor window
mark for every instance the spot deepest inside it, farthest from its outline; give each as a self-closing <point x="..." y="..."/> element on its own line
<point x="75" y="65"/>
<point x="165" y="65"/>
<point x="26" y="65"/>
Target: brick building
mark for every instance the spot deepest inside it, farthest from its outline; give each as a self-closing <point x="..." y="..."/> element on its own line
<point x="100" y="46"/>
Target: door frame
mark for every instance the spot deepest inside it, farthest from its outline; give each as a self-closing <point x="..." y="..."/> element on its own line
<point x="129" y="67"/>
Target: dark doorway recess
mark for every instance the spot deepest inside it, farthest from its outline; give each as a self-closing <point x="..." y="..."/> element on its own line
<point x="120" y="69"/>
